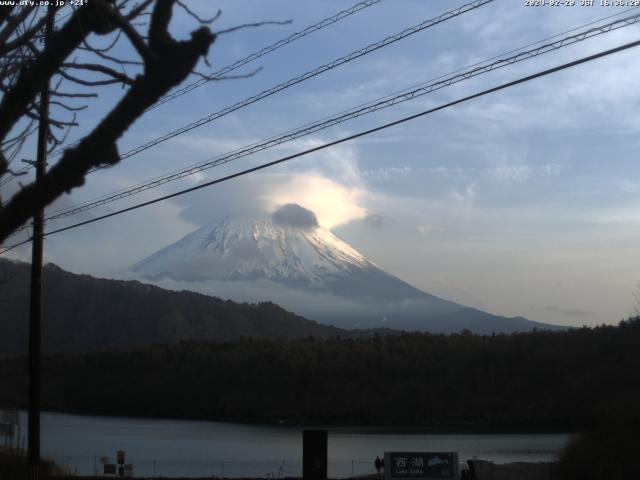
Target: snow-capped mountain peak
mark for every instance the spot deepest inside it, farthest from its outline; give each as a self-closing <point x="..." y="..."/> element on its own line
<point x="287" y="258"/>
<point x="254" y="248"/>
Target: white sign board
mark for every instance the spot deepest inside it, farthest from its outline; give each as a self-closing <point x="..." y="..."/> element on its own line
<point x="421" y="465"/>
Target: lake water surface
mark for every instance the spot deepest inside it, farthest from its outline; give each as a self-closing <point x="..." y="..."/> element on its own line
<point x="194" y="448"/>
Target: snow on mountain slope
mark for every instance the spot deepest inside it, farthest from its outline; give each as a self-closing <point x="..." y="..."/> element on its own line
<point x="289" y="259"/>
<point x="249" y="249"/>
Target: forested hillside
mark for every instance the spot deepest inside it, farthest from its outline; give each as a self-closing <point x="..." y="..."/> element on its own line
<point x="82" y="313"/>
<point x="547" y="380"/>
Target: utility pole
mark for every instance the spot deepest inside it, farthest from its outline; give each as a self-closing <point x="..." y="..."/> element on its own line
<point x="35" y="313"/>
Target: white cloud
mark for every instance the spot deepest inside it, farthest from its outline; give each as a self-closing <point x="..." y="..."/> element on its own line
<point x="523" y="172"/>
<point x="333" y="203"/>
<point x="463" y="196"/>
<point x="429" y="229"/>
<point x="382" y="174"/>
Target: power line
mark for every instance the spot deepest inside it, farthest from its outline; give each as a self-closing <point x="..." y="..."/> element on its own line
<point x="294" y="81"/>
<point x="342" y="117"/>
<point x="345" y="139"/>
<point x="234" y="66"/>
<point x="517" y="50"/>
<point x="309" y="74"/>
<point x="266" y="50"/>
<point x="370" y="107"/>
<point x="403" y="95"/>
<point x="323" y="23"/>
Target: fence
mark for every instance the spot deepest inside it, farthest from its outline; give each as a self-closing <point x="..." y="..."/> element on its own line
<point x="285" y="469"/>
<point x="83" y="465"/>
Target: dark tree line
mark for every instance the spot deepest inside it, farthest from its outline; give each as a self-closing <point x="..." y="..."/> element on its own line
<point x="87" y="313"/>
<point x="540" y="380"/>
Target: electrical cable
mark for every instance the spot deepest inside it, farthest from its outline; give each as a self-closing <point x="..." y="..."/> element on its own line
<point x="307" y="75"/>
<point x="293" y="81"/>
<point x="266" y="50"/>
<point x="386" y="102"/>
<point x="345" y="139"/>
<point x="234" y="66"/>
<point x="306" y="31"/>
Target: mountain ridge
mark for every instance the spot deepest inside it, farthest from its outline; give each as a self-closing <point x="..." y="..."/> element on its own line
<point x="82" y="313"/>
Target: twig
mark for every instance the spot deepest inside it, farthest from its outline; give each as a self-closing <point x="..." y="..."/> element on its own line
<point x="68" y="107"/>
<point x="88" y="83"/>
<point x="134" y="37"/>
<point x="94" y="67"/>
<point x="252" y="25"/>
<point x="226" y="77"/>
<point x="73" y="95"/>
<point x="203" y="21"/>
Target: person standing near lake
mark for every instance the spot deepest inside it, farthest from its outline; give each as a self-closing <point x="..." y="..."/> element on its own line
<point x="378" y="464"/>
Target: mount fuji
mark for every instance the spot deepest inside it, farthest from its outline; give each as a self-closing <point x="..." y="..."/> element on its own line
<point x="287" y="258"/>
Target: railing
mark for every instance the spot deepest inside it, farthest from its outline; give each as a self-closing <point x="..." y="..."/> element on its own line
<point x="84" y="465"/>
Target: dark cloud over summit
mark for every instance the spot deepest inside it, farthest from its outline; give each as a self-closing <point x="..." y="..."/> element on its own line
<point x="294" y="215"/>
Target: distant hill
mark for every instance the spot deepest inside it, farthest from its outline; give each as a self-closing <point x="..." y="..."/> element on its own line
<point x="84" y="313"/>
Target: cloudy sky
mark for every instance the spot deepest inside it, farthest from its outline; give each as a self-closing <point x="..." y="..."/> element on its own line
<point x="523" y="202"/>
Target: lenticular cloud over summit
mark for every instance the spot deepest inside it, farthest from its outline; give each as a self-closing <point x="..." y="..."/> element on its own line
<point x="294" y="215"/>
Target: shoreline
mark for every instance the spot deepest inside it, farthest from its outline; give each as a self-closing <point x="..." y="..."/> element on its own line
<point x="484" y="470"/>
<point x="352" y="428"/>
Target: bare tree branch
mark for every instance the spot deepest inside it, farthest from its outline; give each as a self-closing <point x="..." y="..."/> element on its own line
<point x="134" y="37"/>
<point x="18" y="136"/>
<point x="68" y="107"/>
<point x="24" y="37"/>
<point x="73" y="95"/>
<point x="139" y="10"/>
<point x="94" y="67"/>
<point x="167" y="63"/>
<point x="26" y="64"/>
<point x="91" y="48"/>
<point x="59" y="47"/>
<point x="110" y="58"/>
<point x="251" y="25"/>
<point x="198" y="18"/>
<point x="87" y="83"/>
<point x="5" y="11"/>
<point x="60" y="141"/>
<point x="56" y="123"/>
<point x="218" y="78"/>
<point x="13" y="23"/>
<point x="15" y="174"/>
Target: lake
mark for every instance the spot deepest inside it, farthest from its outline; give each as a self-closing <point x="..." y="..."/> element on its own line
<point x="193" y="448"/>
